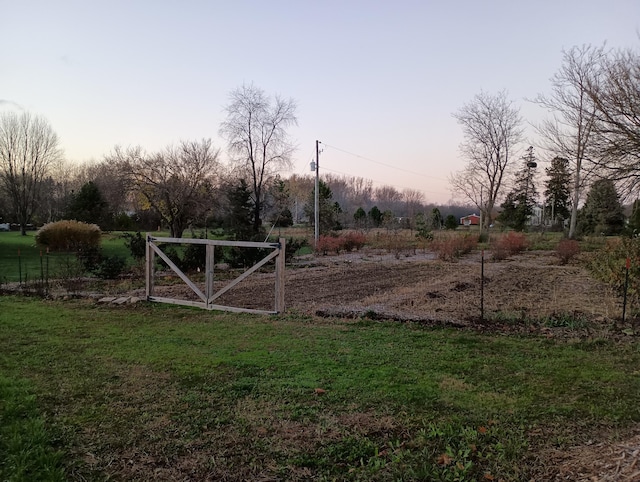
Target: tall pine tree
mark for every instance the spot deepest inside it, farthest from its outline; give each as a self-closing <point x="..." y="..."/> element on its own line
<point x="602" y="212"/>
<point x="558" y="190"/>
<point x="517" y="207"/>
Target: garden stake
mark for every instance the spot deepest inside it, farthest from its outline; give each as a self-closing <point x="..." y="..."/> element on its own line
<point x="47" y="272"/>
<point x="482" y="288"/>
<point x="19" y="268"/>
<point x="626" y="285"/>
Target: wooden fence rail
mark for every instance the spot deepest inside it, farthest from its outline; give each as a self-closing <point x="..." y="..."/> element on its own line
<point x="208" y="296"/>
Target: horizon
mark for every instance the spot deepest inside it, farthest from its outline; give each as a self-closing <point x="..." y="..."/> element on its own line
<point x="376" y="83"/>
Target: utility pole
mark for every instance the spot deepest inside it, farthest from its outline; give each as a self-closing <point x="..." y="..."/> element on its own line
<point x="530" y="164"/>
<point x="317" y="195"/>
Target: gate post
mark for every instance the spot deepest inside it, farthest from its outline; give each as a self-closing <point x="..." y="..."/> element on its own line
<point x="150" y="260"/>
<point x="280" y="276"/>
<point x="209" y="265"/>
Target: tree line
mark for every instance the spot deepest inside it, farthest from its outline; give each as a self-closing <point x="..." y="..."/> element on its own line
<point x="591" y="139"/>
<point x="188" y="185"/>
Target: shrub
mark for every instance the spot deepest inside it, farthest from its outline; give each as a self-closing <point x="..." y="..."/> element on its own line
<point x="69" y="235"/>
<point x="608" y="265"/>
<point x="110" y="267"/>
<point x="451" y="247"/>
<point x="293" y="246"/>
<point x="353" y="240"/>
<point x="566" y="250"/>
<point x="136" y="244"/>
<point x="328" y="244"/>
<point x="194" y="257"/>
<point x="508" y="245"/>
<point x="171" y="253"/>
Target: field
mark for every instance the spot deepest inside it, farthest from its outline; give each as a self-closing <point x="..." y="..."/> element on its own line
<point x="382" y="369"/>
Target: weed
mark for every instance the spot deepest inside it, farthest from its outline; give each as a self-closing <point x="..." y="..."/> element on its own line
<point x="565" y="320"/>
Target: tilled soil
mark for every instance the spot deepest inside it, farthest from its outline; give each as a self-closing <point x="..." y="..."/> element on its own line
<point x="529" y="287"/>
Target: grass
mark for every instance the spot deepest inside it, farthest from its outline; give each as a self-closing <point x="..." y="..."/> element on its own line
<point x="22" y="259"/>
<point x="26" y="451"/>
<point x="174" y="393"/>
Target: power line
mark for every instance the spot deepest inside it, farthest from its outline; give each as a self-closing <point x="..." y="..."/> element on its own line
<point x="382" y="163"/>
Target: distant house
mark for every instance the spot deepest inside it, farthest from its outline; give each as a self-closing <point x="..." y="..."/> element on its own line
<point x="470" y="220"/>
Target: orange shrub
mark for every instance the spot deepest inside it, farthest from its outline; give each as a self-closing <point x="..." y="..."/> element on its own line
<point x="328" y="244"/>
<point x="353" y="240"/>
<point x="567" y="249"/>
<point x="508" y="244"/>
<point x="450" y="247"/>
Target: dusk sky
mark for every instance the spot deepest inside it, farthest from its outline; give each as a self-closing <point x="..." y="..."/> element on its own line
<point x="379" y="79"/>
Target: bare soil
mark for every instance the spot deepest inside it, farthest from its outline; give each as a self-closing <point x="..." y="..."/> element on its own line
<point x="528" y="293"/>
<point x="531" y="291"/>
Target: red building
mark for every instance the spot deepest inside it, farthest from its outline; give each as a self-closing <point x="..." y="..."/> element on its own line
<point x="470" y="220"/>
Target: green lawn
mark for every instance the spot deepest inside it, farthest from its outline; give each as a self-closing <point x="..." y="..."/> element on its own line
<point x="21" y="258"/>
<point x="158" y="391"/>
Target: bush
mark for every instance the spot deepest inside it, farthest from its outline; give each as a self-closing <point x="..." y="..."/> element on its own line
<point x="608" y="265"/>
<point x="136" y="244"/>
<point x="452" y="247"/>
<point x="69" y="235"/>
<point x="194" y="257"/>
<point x="353" y="240"/>
<point x="110" y="267"/>
<point x="508" y="245"/>
<point x="566" y="250"/>
<point x="171" y="253"/>
<point x="328" y="244"/>
<point x="293" y="246"/>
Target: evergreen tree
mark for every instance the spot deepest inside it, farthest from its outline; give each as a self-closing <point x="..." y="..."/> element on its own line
<point x="279" y="195"/>
<point x="451" y="222"/>
<point x="518" y="205"/>
<point x="436" y="219"/>
<point x="360" y="217"/>
<point x="423" y="228"/>
<point x="376" y="216"/>
<point x="602" y="212"/>
<point x="558" y="190"/>
<point x="88" y="206"/>
<point x="329" y="210"/>
<point x="239" y="218"/>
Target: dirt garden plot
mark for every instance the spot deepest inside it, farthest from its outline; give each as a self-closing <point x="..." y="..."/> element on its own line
<point x="529" y="287"/>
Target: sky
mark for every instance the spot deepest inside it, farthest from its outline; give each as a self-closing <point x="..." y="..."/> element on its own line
<point x="376" y="82"/>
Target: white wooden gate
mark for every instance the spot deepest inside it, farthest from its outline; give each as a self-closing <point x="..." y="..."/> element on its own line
<point x="208" y="297"/>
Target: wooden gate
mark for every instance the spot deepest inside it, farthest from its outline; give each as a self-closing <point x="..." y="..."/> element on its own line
<point x="208" y="297"/>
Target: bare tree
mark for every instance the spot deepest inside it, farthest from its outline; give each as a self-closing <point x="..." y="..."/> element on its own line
<point x="491" y="127"/>
<point x="112" y="183"/>
<point x="256" y="132"/>
<point x="28" y="147"/>
<point x="615" y="94"/>
<point x="571" y="131"/>
<point x="414" y="203"/>
<point x="176" y="182"/>
<point x="388" y="198"/>
<point x="299" y="188"/>
<point x="63" y="179"/>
